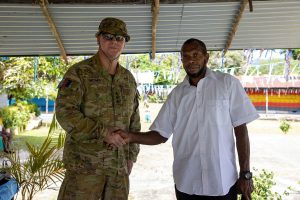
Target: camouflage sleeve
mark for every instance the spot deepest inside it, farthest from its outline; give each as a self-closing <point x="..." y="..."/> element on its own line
<point x="69" y="116"/>
<point x="135" y="126"/>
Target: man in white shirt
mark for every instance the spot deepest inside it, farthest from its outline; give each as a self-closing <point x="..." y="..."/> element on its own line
<point x="202" y="113"/>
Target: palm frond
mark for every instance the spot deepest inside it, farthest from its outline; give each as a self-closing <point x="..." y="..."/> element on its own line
<point x="54" y="125"/>
<point x="39" y="171"/>
<point x="56" y="130"/>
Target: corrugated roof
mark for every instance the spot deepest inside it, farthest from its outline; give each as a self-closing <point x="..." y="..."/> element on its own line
<point x="273" y="24"/>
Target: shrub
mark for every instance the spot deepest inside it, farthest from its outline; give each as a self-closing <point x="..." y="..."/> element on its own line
<point x="14" y="116"/>
<point x="263" y="183"/>
<point x="30" y="107"/>
<point x="284" y="126"/>
<point x="8" y="116"/>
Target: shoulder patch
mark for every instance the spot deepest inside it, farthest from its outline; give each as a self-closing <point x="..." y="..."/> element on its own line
<point x="65" y="83"/>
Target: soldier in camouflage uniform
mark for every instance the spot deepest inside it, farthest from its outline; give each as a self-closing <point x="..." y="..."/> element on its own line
<point x="96" y="96"/>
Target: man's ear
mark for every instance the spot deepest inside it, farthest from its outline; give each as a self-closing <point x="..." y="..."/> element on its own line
<point x="207" y="57"/>
<point x="98" y="40"/>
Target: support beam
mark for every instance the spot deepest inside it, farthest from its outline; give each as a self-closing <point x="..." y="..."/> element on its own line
<point x="132" y="2"/>
<point x="44" y="6"/>
<point x="235" y="25"/>
<point x="155" y="12"/>
<point x="250" y="6"/>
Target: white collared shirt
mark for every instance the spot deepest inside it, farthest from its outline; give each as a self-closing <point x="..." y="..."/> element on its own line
<point x="201" y="120"/>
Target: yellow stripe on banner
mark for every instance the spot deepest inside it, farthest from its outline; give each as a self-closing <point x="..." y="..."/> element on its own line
<point x="276" y="98"/>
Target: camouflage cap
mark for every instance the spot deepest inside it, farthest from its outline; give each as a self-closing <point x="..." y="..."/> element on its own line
<point x="113" y="26"/>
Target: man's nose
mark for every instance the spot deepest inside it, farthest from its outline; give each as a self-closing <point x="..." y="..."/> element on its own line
<point x="192" y="61"/>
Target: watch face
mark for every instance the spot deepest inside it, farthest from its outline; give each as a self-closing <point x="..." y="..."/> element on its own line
<point x="248" y="175"/>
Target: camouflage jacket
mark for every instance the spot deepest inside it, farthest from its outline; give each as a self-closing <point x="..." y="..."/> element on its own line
<point x="89" y="102"/>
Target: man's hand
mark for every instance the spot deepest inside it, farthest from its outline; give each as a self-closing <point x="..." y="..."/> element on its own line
<point x="113" y="138"/>
<point x="245" y="187"/>
<point x="125" y="135"/>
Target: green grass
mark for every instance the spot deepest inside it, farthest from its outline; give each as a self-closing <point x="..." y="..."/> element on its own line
<point x="35" y="137"/>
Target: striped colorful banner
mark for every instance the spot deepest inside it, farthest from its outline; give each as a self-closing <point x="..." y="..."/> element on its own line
<point x="278" y="99"/>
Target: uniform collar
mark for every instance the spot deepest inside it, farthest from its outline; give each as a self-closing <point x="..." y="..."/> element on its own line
<point x="97" y="64"/>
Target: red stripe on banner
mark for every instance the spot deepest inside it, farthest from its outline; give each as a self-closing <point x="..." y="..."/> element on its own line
<point x="276" y="104"/>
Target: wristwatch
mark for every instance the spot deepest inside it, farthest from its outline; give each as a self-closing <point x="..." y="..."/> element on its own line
<point x="247" y="175"/>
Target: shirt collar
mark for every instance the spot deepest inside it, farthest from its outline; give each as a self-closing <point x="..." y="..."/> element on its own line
<point x="208" y="74"/>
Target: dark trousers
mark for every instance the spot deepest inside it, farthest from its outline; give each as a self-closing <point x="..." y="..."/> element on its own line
<point x="232" y="195"/>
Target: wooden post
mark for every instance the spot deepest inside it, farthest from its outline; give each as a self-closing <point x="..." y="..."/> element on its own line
<point x="44" y="6"/>
<point x="155" y="12"/>
<point x="235" y="25"/>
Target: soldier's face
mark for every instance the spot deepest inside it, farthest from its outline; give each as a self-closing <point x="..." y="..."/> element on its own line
<point x="112" y="47"/>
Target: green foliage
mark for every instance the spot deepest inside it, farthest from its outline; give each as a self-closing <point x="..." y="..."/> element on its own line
<point x="8" y="116"/>
<point x="166" y="67"/>
<point x="153" y="99"/>
<point x="17" y="76"/>
<point x="18" y="115"/>
<point x="20" y="80"/>
<point x="232" y="59"/>
<point x="263" y="183"/>
<point x="42" y="168"/>
<point x="295" y="53"/>
<point x="284" y="126"/>
<point x="14" y="116"/>
<point x="39" y="171"/>
<point x="28" y="107"/>
<point x="55" y="130"/>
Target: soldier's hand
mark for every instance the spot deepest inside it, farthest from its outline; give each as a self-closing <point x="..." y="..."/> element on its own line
<point x="125" y="135"/>
<point x="114" y="139"/>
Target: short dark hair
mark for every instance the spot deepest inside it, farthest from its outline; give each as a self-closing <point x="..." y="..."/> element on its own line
<point x="199" y="42"/>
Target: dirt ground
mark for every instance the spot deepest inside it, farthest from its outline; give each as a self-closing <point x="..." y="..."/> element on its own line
<point x="272" y="150"/>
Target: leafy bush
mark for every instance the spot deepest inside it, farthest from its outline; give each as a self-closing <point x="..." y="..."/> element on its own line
<point x="30" y="107"/>
<point x="14" y="116"/>
<point x="18" y="114"/>
<point x="263" y="183"/>
<point x="284" y="126"/>
<point x="36" y="109"/>
<point x="153" y="99"/>
<point x="9" y="118"/>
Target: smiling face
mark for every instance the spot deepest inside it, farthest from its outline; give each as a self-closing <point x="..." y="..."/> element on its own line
<point x="194" y="59"/>
<point x="110" y="46"/>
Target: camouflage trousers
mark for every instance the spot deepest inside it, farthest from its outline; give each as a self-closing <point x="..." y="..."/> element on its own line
<point x="93" y="187"/>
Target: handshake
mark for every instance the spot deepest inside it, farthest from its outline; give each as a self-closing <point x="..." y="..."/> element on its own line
<point x="117" y="137"/>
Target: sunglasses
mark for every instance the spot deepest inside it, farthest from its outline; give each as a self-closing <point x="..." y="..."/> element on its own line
<point x="110" y="37"/>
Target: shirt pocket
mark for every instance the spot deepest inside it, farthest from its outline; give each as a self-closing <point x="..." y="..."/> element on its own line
<point x="218" y="111"/>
